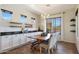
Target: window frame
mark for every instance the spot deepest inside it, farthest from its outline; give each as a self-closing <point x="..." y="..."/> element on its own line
<point x="22" y="16"/>
<point x="6" y="11"/>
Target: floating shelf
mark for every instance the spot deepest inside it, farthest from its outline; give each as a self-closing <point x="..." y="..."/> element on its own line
<point x="15" y="23"/>
<point x="16" y="26"/>
<point x="72" y="20"/>
<point x="72" y="25"/>
<point x="72" y="31"/>
<point x="28" y="25"/>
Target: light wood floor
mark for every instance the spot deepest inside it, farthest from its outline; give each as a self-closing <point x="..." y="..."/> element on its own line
<point x="62" y="48"/>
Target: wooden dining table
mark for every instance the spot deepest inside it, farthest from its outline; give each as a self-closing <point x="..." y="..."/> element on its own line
<point x="40" y="38"/>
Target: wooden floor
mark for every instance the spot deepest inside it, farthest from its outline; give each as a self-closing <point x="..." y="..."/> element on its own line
<point x="62" y="48"/>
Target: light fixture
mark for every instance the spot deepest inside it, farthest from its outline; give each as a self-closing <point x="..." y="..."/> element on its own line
<point x="48" y="5"/>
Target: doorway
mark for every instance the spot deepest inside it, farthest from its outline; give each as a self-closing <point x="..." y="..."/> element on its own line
<point x="53" y="24"/>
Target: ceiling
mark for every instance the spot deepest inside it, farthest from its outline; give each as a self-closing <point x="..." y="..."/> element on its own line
<point x="49" y="8"/>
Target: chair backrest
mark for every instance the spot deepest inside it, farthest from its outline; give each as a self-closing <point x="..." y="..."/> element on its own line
<point x="48" y="36"/>
<point x="44" y="34"/>
<point x="53" y="40"/>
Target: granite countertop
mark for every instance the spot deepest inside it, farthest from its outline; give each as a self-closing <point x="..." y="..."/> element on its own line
<point x="17" y="32"/>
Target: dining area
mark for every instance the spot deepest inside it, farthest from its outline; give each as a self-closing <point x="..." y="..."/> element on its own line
<point x="45" y="42"/>
<point x="25" y="32"/>
<point x="39" y="30"/>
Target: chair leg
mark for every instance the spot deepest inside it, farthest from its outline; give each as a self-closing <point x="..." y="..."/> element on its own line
<point x="52" y="50"/>
<point x="40" y="50"/>
<point x="48" y="51"/>
<point x="56" y="46"/>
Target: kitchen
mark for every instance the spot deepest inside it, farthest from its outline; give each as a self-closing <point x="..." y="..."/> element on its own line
<point x="19" y="22"/>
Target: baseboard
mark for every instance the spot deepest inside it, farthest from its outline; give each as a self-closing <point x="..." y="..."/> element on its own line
<point x="67" y="42"/>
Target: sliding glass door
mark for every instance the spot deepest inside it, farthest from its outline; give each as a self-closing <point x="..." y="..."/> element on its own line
<point x="54" y="24"/>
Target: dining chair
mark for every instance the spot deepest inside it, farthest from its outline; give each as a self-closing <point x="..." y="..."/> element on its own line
<point x="51" y="44"/>
<point x="57" y="38"/>
<point x="36" y="44"/>
<point x="33" y="42"/>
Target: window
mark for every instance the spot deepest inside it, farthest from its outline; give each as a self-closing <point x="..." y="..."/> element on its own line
<point x="22" y="19"/>
<point x="53" y="24"/>
<point x="56" y="24"/>
<point x="6" y="15"/>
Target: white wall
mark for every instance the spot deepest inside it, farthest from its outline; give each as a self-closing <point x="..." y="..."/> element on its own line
<point x="41" y="22"/>
<point x="77" y="23"/>
<point x="69" y="36"/>
<point x="66" y="35"/>
<point x="17" y="11"/>
<point x="77" y="29"/>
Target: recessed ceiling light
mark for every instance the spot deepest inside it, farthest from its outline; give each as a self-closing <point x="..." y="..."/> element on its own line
<point x="48" y="5"/>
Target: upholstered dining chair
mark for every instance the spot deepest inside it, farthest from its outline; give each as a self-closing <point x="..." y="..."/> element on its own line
<point x="36" y="43"/>
<point x="51" y="44"/>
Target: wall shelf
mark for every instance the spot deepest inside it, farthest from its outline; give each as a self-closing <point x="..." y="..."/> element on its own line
<point x="72" y="31"/>
<point x="28" y="25"/>
<point x="15" y="26"/>
<point x="14" y="23"/>
<point x="72" y="20"/>
<point x="72" y="25"/>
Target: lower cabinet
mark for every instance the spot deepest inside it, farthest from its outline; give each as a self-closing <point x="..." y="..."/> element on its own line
<point x="10" y="41"/>
<point x="16" y="40"/>
<point x="28" y="35"/>
<point x="0" y="43"/>
<point x="25" y="38"/>
<point x="5" y="42"/>
<point x="22" y="41"/>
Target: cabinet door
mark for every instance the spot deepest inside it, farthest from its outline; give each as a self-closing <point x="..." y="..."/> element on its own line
<point x="28" y="39"/>
<point x="0" y="42"/>
<point x="25" y="38"/>
<point x="5" y="43"/>
<point x="10" y="41"/>
<point x="22" y="39"/>
<point x="28" y="35"/>
<point x="32" y="34"/>
<point x="16" y="40"/>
